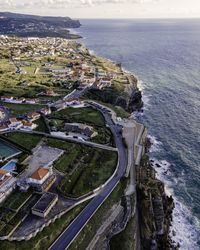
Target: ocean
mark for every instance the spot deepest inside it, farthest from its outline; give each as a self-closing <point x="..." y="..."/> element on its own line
<point x="165" y="56"/>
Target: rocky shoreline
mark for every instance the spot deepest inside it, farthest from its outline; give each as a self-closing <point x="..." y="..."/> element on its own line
<point x="155" y="208"/>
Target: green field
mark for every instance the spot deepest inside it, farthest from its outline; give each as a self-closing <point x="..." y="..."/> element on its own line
<point x="81" y="115"/>
<point x="85" y="168"/>
<point x="73" y="154"/>
<point x="117" y="109"/>
<point x="21" y="109"/>
<point x="24" y="140"/>
<point x="91" y="171"/>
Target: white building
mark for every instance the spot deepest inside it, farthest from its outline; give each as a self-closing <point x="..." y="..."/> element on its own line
<point x="7" y="184"/>
<point x="42" y="179"/>
<point x="27" y="125"/>
<point x="14" y="123"/>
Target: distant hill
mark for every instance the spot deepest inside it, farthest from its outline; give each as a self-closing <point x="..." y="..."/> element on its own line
<point x="37" y="26"/>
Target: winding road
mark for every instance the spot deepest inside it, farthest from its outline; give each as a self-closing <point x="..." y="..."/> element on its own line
<point x="72" y="231"/>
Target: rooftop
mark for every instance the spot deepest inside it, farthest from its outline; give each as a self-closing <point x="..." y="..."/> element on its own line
<point x="40" y="173"/>
<point x="44" y="202"/>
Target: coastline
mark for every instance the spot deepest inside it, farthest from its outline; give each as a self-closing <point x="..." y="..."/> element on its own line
<point x="182" y="224"/>
<point x="167" y="200"/>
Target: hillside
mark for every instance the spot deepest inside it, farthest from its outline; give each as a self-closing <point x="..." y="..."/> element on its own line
<point x="37" y="26"/>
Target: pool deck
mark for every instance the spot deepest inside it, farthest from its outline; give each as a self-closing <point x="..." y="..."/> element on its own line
<point x="12" y="150"/>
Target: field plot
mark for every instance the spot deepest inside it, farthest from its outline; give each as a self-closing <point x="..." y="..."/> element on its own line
<point x="26" y="141"/>
<point x="21" y="109"/>
<point x="82" y="115"/>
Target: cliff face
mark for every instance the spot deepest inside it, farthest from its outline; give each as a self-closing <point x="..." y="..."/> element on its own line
<point x="133" y="101"/>
<point x="155" y="209"/>
<point x="130" y="99"/>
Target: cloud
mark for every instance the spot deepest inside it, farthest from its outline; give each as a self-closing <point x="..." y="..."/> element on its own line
<point x="16" y="4"/>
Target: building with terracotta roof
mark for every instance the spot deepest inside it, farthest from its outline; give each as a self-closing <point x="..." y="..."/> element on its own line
<point x="42" y="179"/>
<point x="46" y="111"/>
<point x="28" y="125"/>
<point x="33" y="116"/>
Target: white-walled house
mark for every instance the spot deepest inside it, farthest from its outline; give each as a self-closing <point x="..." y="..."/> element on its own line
<point x="42" y="179"/>
<point x="27" y="125"/>
<point x="14" y="123"/>
<point x="7" y="184"/>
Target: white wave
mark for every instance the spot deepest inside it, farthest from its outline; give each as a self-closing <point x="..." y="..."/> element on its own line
<point x="92" y="52"/>
<point x="146" y="100"/>
<point x="141" y="85"/>
<point x="156" y="145"/>
<point x="184" y="229"/>
<point x="73" y="31"/>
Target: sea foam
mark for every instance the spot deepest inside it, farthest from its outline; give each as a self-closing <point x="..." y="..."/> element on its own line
<point x="184" y="229"/>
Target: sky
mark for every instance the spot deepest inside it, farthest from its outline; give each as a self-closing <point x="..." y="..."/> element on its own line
<point x="106" y="8"/>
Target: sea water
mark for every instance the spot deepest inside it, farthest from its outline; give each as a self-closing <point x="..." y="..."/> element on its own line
<point x="165" y="56"/>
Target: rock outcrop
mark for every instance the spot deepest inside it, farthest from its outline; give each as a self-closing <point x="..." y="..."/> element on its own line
<point x="135" y="102"/>
<point x="155" y="209"/>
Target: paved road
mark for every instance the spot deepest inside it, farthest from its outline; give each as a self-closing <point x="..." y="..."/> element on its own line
<point x="68" y="139"/>
<point x="67" y="237"/>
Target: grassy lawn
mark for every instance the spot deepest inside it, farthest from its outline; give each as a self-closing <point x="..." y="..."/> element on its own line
<point x="86" y="168"/>
<point x="89" y="231"/>
<point x="57" y="123"/>
<point x="62" y="144"/>
<point x="20" y="109"/>
<point x="26" y="141"/>
<point x="91" y="171"/>
<point x="44" y="239"/>
<point x="73" y="153"/>
<point x="82" y="115"/>
<point x="64" y="164"/>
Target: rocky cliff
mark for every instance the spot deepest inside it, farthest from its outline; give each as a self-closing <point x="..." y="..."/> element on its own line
<point x="155" y="209"/>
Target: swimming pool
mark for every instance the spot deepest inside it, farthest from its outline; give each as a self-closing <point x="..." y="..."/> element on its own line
<point x="10" y="166"/>
<point x="7" y="150"/>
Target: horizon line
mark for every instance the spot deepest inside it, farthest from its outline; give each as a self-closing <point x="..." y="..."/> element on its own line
<point x="101" y="18"/>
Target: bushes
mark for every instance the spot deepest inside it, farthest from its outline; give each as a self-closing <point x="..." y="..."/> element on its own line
<point x="94" y="169"/>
